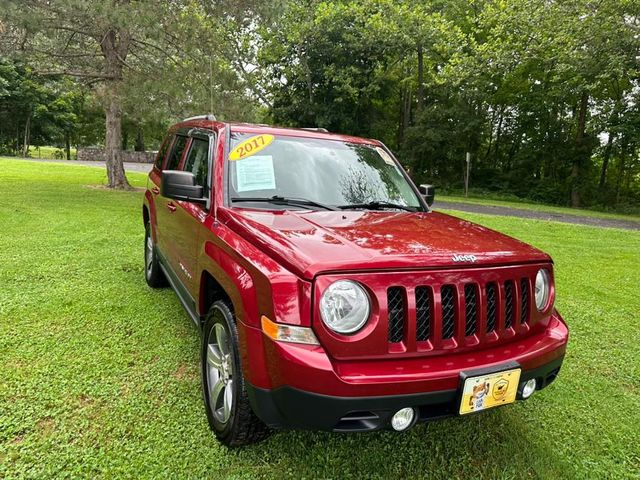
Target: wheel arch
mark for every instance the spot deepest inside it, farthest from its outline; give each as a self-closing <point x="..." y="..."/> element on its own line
<point x="146" y="217"/>
<point x="211" y="290"/>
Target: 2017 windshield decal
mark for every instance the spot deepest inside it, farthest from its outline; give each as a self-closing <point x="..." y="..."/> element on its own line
<point x="250" y="146"/>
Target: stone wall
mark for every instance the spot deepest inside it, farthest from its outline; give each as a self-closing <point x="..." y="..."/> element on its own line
<point x="97" y="155"/>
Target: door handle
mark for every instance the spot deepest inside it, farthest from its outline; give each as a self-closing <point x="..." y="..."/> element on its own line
<point x="155" y="190"/>
<point x="171" y="206"/>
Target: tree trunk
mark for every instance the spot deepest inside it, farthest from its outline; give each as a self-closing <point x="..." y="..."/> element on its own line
<point x="621" y="169"/>
<point x="113" y="141"/>
<point x="513" y="151"/>
<point x="125" y="139"/>
<point x="115" y="47"/>
<point x="579" y="150"/>
<point x="605" y="160"/>
<point x="139" y="146"/>
<point x="491" y="123"/>
<point x="496" y="149"/>
<point x="613" y="122"/>
<point x="27" y="134"/>
<point x="420" y="78"/>
<point x="305" y="63"/>
<point x="405" y="115"/>
<point x="67" y="144"/>
<point x="550" y="166"/>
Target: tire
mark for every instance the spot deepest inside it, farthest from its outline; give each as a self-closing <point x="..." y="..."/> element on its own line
<point x="152" y="272"/>
<point x="223" y="385"/>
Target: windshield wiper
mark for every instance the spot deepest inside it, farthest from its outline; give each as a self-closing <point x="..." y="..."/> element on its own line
<point x="279" y="200"/>
<point x="378" y="205"/>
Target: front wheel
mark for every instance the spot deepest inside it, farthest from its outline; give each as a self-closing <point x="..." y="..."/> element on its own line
<point x="228" y="410"/>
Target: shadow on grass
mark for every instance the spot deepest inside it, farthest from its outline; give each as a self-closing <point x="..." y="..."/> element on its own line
<point x="496" y="444"/>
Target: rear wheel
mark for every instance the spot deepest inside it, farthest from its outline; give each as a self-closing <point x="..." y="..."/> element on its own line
<point x="152" y="272"/>
<point x="228" y="410"/>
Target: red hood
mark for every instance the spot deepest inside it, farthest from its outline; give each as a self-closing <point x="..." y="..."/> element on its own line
<point x="308" y="243"/>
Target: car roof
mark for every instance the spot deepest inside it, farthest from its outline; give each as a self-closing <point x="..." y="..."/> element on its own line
<point x="210" y="123"/>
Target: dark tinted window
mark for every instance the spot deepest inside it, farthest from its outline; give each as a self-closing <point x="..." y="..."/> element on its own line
<point x="163" y="152"/>
<point x="176" y="153"/>
<point x="198" y="160"/>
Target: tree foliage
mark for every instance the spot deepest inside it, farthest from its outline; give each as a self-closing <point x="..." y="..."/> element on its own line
<point x="544" y="95"/>
<point x="144" y="60"/>
<point x="36" y="110"/>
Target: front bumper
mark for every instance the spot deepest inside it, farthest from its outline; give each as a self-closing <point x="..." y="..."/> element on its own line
<point x="299" y="386"/>
<point x="291" y="408"/>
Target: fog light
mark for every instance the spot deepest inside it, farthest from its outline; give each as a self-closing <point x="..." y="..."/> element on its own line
<point x="403" y="419"/>
<point x="529" y="388"/>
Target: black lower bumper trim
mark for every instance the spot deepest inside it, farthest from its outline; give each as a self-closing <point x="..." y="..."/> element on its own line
<point x="291" y="408"/>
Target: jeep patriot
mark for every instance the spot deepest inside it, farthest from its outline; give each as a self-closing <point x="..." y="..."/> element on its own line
<point x="328" y="293"/>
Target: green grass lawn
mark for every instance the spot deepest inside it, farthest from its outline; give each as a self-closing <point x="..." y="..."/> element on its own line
<point x="99" y="374"/>
<point x="537" y="207"/>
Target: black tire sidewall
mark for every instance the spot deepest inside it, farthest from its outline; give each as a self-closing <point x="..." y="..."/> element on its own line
<point x="154" y="278"/>
<point x="147" y="236"/>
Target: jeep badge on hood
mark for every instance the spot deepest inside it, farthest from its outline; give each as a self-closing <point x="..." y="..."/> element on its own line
<point x="464" y="258"/>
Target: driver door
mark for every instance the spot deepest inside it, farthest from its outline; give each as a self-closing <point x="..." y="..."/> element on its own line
<point x="188" y="217"/>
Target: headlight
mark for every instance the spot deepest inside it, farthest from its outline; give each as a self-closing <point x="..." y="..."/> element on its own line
<point x="344" y="306"/>
<point x="543" y="289"/>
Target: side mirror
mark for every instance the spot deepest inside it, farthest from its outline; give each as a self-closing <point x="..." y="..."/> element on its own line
<point x="181" y="186"/>
<point x="428" y="192"/>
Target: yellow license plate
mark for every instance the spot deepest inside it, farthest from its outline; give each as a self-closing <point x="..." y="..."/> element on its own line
<point x="491" y="390"/>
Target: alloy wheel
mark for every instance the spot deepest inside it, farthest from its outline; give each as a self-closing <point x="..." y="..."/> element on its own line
<point x="220" y="373"/>
<point x="148" y="255"/>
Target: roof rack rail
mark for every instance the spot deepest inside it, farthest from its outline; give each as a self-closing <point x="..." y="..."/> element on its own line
<point x="208" y="116"/>
<point x="316" y="129"/>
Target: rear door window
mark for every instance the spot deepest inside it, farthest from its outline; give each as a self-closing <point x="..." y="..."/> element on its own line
<point x="198" y="161"/>
<point x="176" y="153"/>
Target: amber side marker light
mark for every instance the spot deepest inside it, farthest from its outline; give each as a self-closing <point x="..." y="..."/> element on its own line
<point x="288" y="333"/>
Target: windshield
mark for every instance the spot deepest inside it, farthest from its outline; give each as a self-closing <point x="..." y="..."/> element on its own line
<point x="328" y="172"/>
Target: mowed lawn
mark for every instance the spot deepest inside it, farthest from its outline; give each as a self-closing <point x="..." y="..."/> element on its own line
<point x="99" y="374"/>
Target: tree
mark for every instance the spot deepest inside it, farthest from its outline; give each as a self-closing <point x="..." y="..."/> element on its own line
<point x="33" y="109"/>
<point x="21" y="95"/>
<point x="118" y="46"/>
<point x="88" y="43"/>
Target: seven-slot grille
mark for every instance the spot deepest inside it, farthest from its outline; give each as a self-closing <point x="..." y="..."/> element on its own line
<point x="493" y="293"/>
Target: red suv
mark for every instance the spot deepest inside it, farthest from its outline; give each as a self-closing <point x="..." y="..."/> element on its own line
<point x="329" y="294"/>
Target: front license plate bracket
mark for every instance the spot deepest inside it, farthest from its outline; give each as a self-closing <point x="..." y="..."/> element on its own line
<point x="487" y="388"/>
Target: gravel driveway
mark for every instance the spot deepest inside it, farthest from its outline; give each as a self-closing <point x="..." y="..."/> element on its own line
<point x="522" y="213"/>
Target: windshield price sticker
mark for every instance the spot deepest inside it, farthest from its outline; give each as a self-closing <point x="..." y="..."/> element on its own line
<point x="250" y="146"/>
<point x="255" y="173"/>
